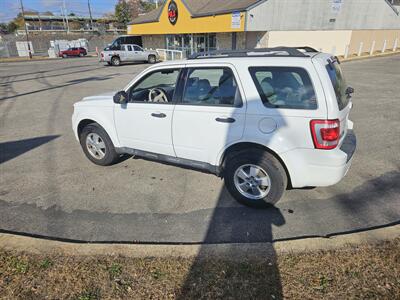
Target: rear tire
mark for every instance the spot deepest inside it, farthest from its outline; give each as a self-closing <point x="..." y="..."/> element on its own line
<point x="115" y="61"/>
<point x="266" y="181"/>
<point x="152" y="59"/>
<point x="81" y="54"/>
<point x="97" y="145"/>
<point x="65" y="56"/>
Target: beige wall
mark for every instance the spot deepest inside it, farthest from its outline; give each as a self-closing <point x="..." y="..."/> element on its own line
<point x="154" y="41"/>
<point x="241" y="40"/>
<point x="224" y="41"/>
<point x="327" y="41"/>
<point x="257" y="39"/>
<point x="368" y="36"/>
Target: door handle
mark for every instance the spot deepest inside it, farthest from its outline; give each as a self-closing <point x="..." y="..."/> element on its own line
<point x="225" y="120"/>
<point x="158" y="115"/>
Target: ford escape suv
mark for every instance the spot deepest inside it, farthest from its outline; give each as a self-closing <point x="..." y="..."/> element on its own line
<point x="264" y="120"/>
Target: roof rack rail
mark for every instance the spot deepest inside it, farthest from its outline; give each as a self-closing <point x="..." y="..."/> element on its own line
<point x="259" y="52"/>
<point x="307" y="49"/>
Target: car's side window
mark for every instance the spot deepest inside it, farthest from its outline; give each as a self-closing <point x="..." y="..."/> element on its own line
<point x="137" y="48"/>
<point x="129" y="48"/>
<point x="284" y="87"/>
<point x="214" y="86"/>
<point x="156" y="87"/>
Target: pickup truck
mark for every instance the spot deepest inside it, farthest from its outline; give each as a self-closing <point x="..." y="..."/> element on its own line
<point x="128" y="53"/>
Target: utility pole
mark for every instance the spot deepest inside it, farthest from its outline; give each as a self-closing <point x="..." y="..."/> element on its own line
<point x="26" y="30"/>
<point x="90" y="14"/>
<point x="66" y="15"/>
<point x="62" y="14"/>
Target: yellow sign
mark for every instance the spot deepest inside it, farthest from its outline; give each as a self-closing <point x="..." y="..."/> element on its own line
<point x="185" y="23"/>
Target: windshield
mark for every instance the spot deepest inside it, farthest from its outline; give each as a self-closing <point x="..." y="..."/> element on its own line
<point x="338" y="83"/>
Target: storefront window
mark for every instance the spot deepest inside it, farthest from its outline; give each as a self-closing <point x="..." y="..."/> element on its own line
<point x="190" y="43"/>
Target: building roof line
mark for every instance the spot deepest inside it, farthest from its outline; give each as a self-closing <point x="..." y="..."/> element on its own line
<point x="142" y="19"/>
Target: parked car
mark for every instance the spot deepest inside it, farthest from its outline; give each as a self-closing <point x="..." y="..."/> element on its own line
<point x="75" y="51"/>
<point x="264" y="120"/>
<point x="129" y="53"/>
<point x="124" y="40"/>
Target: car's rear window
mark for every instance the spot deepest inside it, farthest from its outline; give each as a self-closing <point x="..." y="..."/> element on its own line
<point x="284" y="87"/>
<point x="338" y="83"/>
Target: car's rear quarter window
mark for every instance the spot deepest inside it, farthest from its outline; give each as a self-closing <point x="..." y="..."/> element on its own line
<point x="338" y="83"/>
<point x="284" y="87"/>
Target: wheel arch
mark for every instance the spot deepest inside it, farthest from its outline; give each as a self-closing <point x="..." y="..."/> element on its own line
<point x="108" y="128"/>
<point x="238" y="147"/>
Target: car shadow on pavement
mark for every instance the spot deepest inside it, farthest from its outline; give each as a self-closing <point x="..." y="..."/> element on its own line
<point x="235" y="230"/>
<point x="12" y="149"/>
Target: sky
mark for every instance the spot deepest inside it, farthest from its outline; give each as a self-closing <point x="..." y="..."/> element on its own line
<point x="10" y="8"/>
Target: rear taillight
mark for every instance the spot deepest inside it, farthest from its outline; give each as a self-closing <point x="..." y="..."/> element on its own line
<point x="325" y="133"/>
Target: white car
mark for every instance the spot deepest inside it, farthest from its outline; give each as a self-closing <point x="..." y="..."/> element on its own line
<point x="264" y="120"/>
<point x="128" y="53"/>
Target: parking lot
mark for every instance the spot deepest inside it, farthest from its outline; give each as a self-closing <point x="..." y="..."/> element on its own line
<point x="48" y="187"/>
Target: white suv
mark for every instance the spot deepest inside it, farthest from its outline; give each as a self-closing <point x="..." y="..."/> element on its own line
<point x="265" y="120"/>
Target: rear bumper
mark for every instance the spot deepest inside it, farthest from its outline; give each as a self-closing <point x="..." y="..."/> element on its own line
<point x="313" y="167"/>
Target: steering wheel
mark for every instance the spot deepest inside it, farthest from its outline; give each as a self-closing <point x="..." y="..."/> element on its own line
<point x="158" y="95"/>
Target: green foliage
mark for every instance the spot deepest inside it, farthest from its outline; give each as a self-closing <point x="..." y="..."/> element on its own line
<point x="19" y="265"/>
<point x="89" y="295"/>
<point x="46" y="263"/>
<point x="147" y="6"/>
<point x="115" y="270"/>
<point x="8" y="27"/>
<point x="122" y="12"/>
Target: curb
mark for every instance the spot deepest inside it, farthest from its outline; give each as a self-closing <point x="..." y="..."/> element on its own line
<point x="18" y="243"/>
<point x="355" y="58"/>
<point x="39" y="59"/>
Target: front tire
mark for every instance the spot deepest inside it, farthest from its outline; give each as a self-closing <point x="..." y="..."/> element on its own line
<point x="255" y="178"/>
<point x="97" y="145"/>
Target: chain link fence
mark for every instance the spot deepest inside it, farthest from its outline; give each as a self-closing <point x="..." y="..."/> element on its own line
<point x="41" y="43"/>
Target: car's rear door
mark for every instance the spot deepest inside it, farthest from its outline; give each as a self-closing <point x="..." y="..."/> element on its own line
<point x="128" y="53"/>
<point x="211" y="113"/>
<point x="338" y="97"/>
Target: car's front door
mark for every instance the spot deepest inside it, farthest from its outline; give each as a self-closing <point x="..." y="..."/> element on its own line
<point x="144" y="123"/>
<point x="210" y="115"/>
<point x="139" y="53"/>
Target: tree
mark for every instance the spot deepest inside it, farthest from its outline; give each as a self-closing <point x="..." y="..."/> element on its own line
<point x="122" y="12"/>
<point x="12" y="27"/>
<point x="8" y="27"/>
<point x="147" y="6"/>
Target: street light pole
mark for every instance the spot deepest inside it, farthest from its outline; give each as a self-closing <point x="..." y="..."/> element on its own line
<point x="26" y="30"/>
<point x="90" y="14"/>
<point x="66" y="15"/>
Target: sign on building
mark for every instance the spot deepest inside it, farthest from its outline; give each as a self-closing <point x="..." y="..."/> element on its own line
<point x="337" y="6"/>
<point x="235" y="20"/>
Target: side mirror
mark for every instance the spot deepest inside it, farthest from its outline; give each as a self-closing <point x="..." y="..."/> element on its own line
<point x="121" y="98"/>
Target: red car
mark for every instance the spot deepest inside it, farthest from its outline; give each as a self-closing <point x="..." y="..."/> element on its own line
<point x="73" y="52"/>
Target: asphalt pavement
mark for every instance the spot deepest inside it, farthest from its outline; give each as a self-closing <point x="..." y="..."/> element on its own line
<point x="48" y="188"/>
